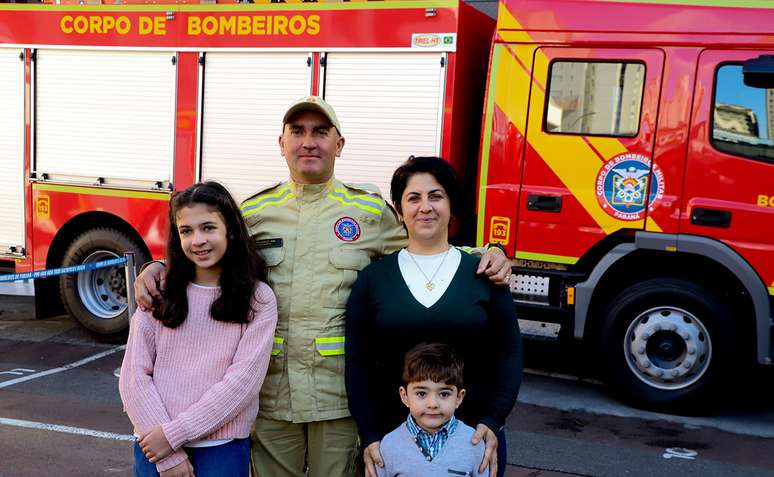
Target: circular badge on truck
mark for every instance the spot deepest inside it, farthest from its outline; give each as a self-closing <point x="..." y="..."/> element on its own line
<point x="625" y="187"/>
<point x="347" y="229"/>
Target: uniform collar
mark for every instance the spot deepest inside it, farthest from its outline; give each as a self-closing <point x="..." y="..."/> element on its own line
<point x="311" y="192"/>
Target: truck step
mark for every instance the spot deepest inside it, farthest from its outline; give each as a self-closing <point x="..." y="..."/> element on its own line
<point x="539" y="331"/>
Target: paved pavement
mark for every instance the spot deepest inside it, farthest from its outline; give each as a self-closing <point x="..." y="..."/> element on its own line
<point x="60" y="414"/>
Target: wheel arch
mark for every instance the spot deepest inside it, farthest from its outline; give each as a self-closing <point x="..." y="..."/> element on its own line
<point x="80" y="224"/>
<point x="699" y="259"/>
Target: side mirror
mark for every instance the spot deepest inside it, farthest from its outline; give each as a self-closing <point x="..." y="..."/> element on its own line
<point x="759" y="72"/>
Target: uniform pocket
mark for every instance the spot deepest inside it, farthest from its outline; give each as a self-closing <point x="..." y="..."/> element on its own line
<point x="345" y="263"/>
<point x="329" y="373"/>
<point x="273" y="256"/>
<point x="271" y="384"/>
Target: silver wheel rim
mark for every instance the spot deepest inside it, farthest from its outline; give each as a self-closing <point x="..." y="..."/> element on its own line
<point x="667" y="348"/>
<point x="102" y="291"/>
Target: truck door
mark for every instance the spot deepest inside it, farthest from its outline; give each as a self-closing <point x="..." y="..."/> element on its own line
<point x="588" y="168"/>
<point x="12" y="237"/>
<point x="729" y="177"/>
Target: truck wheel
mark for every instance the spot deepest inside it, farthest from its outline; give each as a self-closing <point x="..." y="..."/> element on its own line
<point x="97" y="298"/>
<point x="666" y="343"/>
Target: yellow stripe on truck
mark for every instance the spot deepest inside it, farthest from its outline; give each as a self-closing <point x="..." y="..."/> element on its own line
<point x="546" y="257"/>
<point x="102" y="191"/>
<point x="510" y="91"/>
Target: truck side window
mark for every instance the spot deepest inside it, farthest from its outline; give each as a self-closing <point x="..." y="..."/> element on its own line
<point x="599" y="98"/>
<point x="743" y="117"/>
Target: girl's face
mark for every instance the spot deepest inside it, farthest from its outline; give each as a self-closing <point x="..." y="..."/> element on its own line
<point x="426" y="209"/>
<point x="204" y="239"/>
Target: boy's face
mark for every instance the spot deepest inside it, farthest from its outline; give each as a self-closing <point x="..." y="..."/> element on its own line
<point x="431" y="404"/>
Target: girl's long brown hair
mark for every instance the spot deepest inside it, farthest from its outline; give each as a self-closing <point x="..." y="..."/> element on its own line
<point x="241" y="266"/>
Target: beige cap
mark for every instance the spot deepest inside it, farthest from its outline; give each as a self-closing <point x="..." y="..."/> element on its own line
<point x="313" y="103"/>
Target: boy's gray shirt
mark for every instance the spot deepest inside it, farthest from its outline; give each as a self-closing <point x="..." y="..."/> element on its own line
<point x="458" y="457"/>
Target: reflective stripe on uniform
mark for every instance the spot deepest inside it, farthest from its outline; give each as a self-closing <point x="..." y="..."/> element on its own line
<point x="333" y="346"/>
<point x="278" y="346"/>
<point x="363" y="202"/>
<point x="262" y="201"/>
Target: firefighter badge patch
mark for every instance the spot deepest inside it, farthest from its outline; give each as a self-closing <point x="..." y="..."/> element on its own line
<point x="626" y="186"/>
<point x="347" y="229"/>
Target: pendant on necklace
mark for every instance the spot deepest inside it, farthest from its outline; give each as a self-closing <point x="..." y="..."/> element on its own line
<point x="429" y="286"/>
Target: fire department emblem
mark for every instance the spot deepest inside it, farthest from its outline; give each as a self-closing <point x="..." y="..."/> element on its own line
<point x="347" y="229"/>
<point x="625" y="187"/>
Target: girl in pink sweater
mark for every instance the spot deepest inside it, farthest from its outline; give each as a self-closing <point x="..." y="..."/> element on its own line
<point x="194" y="366"/>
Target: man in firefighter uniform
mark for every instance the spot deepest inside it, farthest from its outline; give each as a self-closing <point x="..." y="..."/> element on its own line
<point x="315" y="234"/>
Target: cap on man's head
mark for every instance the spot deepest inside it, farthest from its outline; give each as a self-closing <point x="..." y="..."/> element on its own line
<point x="313" y="103"/>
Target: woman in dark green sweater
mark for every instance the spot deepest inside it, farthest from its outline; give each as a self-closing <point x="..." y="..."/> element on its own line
<point x="430" y="292"/>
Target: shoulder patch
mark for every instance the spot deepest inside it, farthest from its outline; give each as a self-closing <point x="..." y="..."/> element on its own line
<point x="363" y="187"/>
<point x="259" y="192"/>
<point x="272" y="195"/>
<point x="359" y="197"/>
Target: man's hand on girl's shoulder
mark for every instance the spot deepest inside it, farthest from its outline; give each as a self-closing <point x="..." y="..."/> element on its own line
<point x="496" y="266"/>
<point x="149" y="285"/>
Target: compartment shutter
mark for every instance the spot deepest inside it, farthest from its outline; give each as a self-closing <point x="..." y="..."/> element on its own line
<point x="107" y="114"/>
<point x="11" y="150"/>
<point x="389" y="107"/>
<point x="245" y="97"/>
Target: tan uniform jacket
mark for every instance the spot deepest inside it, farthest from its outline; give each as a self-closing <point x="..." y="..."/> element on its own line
<point x="315" y="238"/>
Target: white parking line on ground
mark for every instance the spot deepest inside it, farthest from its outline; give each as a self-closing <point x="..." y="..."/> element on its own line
<point x="65" y="429"/>
<point x="95" y="357"/>
<point x="18" y="371"/>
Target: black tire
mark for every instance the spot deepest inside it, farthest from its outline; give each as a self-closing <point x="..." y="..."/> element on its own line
<point x="97" y="299"/>
<point x="671" y="327"/>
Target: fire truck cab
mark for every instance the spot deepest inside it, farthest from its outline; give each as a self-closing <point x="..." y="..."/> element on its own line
<point x="627" y="163"/>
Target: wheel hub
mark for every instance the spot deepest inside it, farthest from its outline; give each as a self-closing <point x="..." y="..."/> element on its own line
<point x="102" y="291"/>
<point x="667" y="348"/>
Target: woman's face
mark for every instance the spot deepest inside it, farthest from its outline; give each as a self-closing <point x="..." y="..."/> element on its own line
<point x="426" y="209"/>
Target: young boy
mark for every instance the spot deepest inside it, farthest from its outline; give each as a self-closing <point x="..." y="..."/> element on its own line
<point x="432" y="442"/>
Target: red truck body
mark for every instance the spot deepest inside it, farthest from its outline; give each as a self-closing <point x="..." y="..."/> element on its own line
<point x="628" y="168"/>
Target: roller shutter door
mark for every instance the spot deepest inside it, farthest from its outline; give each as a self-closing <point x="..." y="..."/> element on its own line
<point x="108" y="114"/>
<point x="245" y="97"/>
<point x="389" y="106"/>
<point x="11" y="150"/>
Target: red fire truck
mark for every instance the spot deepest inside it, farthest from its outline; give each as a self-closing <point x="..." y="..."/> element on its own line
<point x="106" y="109"/>
<point x="627" y="163"/>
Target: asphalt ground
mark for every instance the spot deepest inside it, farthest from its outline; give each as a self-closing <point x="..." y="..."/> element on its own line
<point x="60" y="414"/>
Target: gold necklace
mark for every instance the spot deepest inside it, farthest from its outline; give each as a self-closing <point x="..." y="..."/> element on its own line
<point x="429" y="284"/>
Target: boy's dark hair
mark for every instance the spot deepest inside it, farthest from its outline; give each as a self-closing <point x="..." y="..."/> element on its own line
<point x="436" y="362"/>
<point x="443" y="172"/>
<point x="241" y="266"/>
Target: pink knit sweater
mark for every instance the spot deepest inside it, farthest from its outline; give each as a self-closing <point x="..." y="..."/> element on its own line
<point x="200" y="380"/>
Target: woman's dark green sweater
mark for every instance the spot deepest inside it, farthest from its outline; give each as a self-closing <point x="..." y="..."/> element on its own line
<point x="384" y="321"/>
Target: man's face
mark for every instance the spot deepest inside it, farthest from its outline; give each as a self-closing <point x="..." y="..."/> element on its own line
<point x="310" y="145"/>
